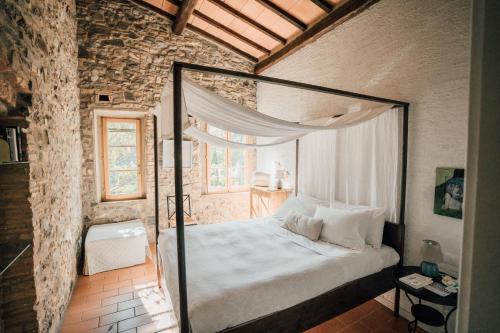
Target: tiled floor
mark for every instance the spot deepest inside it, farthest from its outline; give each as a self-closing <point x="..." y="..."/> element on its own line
<point x="128" y="300"/>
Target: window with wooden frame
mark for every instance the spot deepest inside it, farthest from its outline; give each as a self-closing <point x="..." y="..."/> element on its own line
<point x="227" y="170"/>
<point x="122" y="167"/>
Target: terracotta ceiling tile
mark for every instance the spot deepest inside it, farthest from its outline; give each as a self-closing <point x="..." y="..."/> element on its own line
<point x="277" y="24"/>
<point x="306" y="11"/>
<point x="238" y="26"/>
<point x="200" y="23"/>
<point x="261" y="38"/>
<point x="237" y="4"/>
<point x="241" y="45"/>
<point x="233" y="41"/>
<point x="286" y="4"/>
<point x="285" y="29"/>
<point x="223" y="17"/>
<point x="252" y="9"/>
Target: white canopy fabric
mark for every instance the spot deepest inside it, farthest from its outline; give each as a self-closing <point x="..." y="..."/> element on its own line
<point x="225" y="114"/>
<point x="220" y="142"/>
<point x="360" y="165"/>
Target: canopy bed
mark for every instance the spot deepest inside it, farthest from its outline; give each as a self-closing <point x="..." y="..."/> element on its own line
<point x="285" y="282"/>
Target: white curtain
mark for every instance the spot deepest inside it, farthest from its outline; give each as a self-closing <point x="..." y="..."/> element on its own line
<point x="225" y="114"/>
<point x="358" y="165"/>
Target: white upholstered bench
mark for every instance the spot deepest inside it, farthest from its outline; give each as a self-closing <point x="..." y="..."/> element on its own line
<point x="115" y="245"/>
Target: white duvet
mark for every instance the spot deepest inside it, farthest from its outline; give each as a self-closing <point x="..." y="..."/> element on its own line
<point x="239" y="271"/>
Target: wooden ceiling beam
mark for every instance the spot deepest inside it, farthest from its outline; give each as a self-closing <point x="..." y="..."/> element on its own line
<point x="197" y="30"/>
<point x="283" y="14"/>
<point x="324" y="5"/>
<point x="248" y="20"/>
<point x="182" y="17"/>
<point x="222" y="42"/>
<point x="341" y="14"/>
<point x="231" y="32"/>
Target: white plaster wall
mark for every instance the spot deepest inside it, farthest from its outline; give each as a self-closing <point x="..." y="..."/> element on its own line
<point x="411" y="50"/>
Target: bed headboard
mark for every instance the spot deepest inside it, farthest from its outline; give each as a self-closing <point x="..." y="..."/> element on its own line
<point x="394" y="236"/>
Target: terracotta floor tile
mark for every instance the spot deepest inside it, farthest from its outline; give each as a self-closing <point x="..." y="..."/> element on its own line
<point x="117" y="285"/>
<point x="116" y="317"/>
<point x="72" y="318"/>
<point x="357" y="327"/>
<point x="97" y="298"/>
<point x="152" y="309"/>
<point x="131" y="275"/>
<point x="145" y="278"/>
<point x="81" y="306"/>
<point x="351" y="316"/>
<point x="130" y="304"/>
<point x="375" y="320"/>
<point x="132" y="330"/>
<point x="81" y="326"/>
<point x="134" y="322"/>
<point x="101" y="311"/>
<point x="148" y="292"/>
<point x="117" y="299"/>
<point x="331" y="326"/>
<point x="370" y="306"/>
<point x="111" y="328"/>
<point x="137" y="286"/>
<point x="88" y="289"/>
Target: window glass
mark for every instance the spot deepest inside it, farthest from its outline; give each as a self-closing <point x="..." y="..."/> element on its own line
<point x="226" y="168"/>
<point x="121" y="158"/>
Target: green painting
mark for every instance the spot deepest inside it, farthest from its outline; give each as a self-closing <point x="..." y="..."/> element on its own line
<point x="449" y="192"/>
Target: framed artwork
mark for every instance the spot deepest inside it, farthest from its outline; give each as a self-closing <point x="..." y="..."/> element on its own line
<point x="168" y="153"/>
<point x="449" y="192"/>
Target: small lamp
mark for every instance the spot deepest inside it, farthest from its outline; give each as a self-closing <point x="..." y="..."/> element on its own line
<point x="431" y="255"/>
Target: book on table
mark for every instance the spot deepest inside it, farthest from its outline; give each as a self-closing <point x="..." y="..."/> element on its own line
<point x="416" y="280"/>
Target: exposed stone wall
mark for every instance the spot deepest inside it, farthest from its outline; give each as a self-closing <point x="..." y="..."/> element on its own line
<point x="39" y="49"/>
<point x="126" y="51"/>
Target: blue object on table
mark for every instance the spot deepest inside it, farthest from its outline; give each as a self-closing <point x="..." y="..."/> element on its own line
<point x="429" y="269"/>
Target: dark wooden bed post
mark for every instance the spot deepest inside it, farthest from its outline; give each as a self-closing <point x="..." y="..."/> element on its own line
<point x="157" y="195"/>
<point x="179" y="203"/>
<point x="402" y="207"/>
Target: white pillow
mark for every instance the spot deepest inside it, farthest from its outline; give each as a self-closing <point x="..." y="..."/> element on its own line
<point x="292" y="204"/>
<point x="343" y="227"/>
<point x="309" y="227"/>
<point x="375" y="230"/>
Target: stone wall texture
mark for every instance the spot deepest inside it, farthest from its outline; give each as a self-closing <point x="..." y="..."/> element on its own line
<point x="416" y="51"/>
<point x="38" y="47"/>
<point x="126" y="51"/>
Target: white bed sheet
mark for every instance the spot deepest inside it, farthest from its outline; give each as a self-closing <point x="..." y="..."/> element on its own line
<point x="239" y="271"/>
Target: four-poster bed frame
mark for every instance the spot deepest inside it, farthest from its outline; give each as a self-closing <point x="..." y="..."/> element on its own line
<point x="314" y="311"/>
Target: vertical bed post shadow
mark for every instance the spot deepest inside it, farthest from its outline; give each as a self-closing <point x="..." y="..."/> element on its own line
<point x="179" y="203"/>
<point x="157" y="196"/>
<point x="401" y="230"/>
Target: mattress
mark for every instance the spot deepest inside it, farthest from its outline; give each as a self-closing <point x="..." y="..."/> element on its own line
<point x="240" y="271"/>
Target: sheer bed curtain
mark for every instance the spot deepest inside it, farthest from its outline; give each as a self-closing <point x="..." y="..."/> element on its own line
<point x="359" y="165"/>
